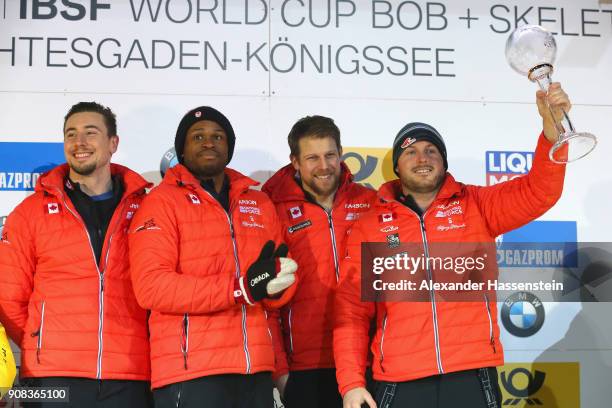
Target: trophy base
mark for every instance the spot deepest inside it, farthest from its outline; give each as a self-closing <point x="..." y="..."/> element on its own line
<point x="572" y="146"/>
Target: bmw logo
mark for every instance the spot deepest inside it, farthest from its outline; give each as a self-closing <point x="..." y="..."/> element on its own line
<point x="522" y="314"/>
<point x="168" y="160"/>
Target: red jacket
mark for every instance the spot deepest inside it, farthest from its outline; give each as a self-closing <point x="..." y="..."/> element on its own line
<point x="419" y="339"/>
<point x="186" y="252"/>
<point x="70" y="316"/>
<point x="317" y="248"/>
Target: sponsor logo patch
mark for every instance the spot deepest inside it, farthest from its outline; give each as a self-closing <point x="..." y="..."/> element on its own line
<point x="299" y="226"/>
<point x="249" y="210"/>
<point x="407" y="142"/>
<point x="393" y="240"/>
<point x="148" y="225"/>
<point x="389" y="228"/>
<point x="352" y="216"/>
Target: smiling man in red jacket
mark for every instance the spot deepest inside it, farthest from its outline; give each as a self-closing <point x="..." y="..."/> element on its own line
<point x="206" y="259"/>
<point x="435" y="354"/>
<point x="317" y="201"/>
<point x="67" y="297"/>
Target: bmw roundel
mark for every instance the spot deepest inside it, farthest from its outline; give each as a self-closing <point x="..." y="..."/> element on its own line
<point x="522" y="314"/>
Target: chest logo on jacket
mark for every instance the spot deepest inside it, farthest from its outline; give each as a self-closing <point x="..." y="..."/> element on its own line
<point x="148" y="225"/>
<point x="193" y="198"/>
<point x="387" y="217"/>
<point x="296" y="212"/>
<point x="389" y="228"/>
<point x="393" y="240"/>
<point x="299" y="226"/>
<point x="53" y="208"/>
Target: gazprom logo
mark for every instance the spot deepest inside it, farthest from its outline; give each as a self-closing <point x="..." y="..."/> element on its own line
<point x="504" y="166"/>
<point x="22" y="163"/>
<point x="539" y="244"/>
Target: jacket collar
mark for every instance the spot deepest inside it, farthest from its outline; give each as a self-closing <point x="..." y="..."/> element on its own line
<point x="390" y="190"/>
<point x="181" y="176"/>
<point x="53" y="180"/>
<point x="282" y="186"/>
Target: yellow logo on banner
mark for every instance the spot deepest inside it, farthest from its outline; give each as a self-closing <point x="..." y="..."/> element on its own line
<point x="371" y="166"/>
<point x="542" y="385"/>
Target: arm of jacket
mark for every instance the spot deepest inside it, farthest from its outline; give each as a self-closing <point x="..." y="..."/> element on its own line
<point x="509" y="205"/>
<point x="352" y="317"/>
<point x="17" y="263"/>
<point x="281" y="364"/>
<point x="154" y="256"/>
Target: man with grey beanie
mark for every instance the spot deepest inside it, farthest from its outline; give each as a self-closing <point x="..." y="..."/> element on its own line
<point x="433" y="353"/>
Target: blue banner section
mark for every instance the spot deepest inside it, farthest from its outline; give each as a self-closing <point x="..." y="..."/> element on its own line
<point x="22" y="163"/>
<point x="509" y="162"/>
<point x="539" y="244"/>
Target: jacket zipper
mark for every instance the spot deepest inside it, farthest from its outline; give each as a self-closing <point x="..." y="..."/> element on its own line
<point x="289" y="318"/>
<point x="100" y="282"/>
<point x="432" y="295"/>
<point x="333" y="240"/>
<point x="39" y="333"/>
<point x="185" y="339"/>
<point x="382" y="341"/>
<point x="245" y="336"/>
<point x="491" y="340"/>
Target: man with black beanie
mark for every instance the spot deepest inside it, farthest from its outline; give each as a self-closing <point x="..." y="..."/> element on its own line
<point x="207" y="260"/>
<point x="435" y="353"/>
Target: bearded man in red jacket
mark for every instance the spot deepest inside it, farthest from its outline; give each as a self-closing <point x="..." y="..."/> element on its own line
<point x="436" y="353"/>
<point x="317" y="202"/>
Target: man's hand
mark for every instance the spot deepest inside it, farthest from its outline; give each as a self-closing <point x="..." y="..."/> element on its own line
<point x="270" y="274"/>
<point x="555" y="101"/>
<point x="281" y="383"/>
<point x="356" y="397"/>
<point x="285" y="272"/>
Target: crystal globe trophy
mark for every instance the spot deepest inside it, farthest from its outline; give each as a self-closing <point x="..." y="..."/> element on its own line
<point x="531" y="51"/>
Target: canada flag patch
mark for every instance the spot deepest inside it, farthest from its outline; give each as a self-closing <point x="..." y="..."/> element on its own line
<point x="193" y="198"/>
<point x="296" y="212"/>
<point x="53" y="208"/>
<point x="387" y="217"/>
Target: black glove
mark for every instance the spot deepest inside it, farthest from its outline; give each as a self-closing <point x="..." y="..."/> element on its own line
<point x="253" y="287"/>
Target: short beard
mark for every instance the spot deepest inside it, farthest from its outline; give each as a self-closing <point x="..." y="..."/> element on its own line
<point x="205" y="172"/>
<point x="314" y="187"/>
<point x="83" y="170"/>
<point x="409" y="185"/>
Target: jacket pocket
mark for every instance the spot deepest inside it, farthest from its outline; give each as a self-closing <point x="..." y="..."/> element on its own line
<point x="185" y="338"/>
<point x="491" y="339"/>
<point x="382" y="342"/>
<point x="39" y="333"/>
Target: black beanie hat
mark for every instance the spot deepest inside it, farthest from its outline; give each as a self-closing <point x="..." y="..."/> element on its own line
<point x="196" y="115"/>
<point x="414" y="132"/>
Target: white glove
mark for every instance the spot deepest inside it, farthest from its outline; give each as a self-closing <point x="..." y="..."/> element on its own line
<point x="284" y="278"/>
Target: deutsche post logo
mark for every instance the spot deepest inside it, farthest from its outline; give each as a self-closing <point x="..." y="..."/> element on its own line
<point x="540" y="385"/>
<point x="371" y="167"/>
